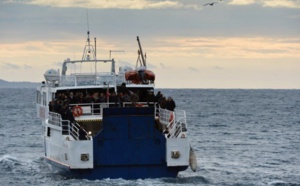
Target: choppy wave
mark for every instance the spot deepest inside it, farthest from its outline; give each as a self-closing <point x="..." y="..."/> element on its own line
<point x="240" y="137"/>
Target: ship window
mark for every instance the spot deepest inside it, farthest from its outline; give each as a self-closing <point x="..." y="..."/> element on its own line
<point x="44" y="98"/>
<point x="48" y="132"/>
<point x="38" y="97"/>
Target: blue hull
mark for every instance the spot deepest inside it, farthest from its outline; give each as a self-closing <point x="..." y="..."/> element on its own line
<point x="130" y="146"/>
<point x="126" y="172"/>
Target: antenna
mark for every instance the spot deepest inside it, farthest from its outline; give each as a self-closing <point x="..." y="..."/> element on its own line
<point x="87" y="18"/>
<point x="89" y="51"/>
<point x="95" y="47"/>
<point x="88" y="32"/>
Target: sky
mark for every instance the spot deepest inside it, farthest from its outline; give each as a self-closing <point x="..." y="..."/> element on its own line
<point x="247" y="44"/>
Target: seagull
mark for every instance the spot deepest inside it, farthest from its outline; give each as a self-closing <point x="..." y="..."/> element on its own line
<point x="211" y="4"/>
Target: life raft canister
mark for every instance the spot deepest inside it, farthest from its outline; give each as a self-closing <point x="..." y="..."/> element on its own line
<point x="77" y="111"/>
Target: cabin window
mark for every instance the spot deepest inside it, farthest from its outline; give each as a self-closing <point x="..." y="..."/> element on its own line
<point x="38" y="97"/>
<point x="44" y="98"/>
<point x="48" y="131"/>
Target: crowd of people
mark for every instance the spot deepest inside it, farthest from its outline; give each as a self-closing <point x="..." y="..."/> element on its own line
<point x="64" y="101"/>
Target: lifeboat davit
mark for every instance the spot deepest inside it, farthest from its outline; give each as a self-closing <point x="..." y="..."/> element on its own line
<point x="139" y="76"/>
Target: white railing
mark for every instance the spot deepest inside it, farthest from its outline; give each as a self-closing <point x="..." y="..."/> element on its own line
<point x="68" y="81"/>
<point x="138" y="104"/>
<point x="105" y="79"/>
<point x="165" y="116"/>
<point x="74" y="129"/>
<point x="175" y="122"/>
<point x="81" y="79"/>
<point x="67" y="128"/>
<point x="92" y="108"/>
<point x="54" y="119"/>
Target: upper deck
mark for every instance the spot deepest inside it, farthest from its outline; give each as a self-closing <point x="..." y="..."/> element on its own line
<point x="91" y="79"/>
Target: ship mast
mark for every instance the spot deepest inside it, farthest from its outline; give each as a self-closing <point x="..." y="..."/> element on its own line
<point x="89" y="51"/>
<point x="141" y="53"/>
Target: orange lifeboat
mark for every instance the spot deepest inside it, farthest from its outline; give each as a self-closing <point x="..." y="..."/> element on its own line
<point x="140" y="76"/>
<point x="133" y="76"/>
<point x="149" y="75"/>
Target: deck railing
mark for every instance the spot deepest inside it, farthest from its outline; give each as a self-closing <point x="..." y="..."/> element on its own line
<point x="82" y="79"/>
<point x="67" y="127"/>
<point x="92" y="108"/>
<point x="175" y="122"/>
<point x="55" y="119"/>
<point x="73" y="129"/>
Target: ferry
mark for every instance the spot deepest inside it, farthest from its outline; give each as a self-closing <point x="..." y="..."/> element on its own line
<point x="100" y="125"/>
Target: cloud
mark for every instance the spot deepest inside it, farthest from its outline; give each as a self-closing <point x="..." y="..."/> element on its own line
<point x="112" y="4"/>
<point x="150" y="4"/>
<point x="193" y="69"/>
<point x="27" y="67"/>
<point x="241" y="2"/>
<point x="14" y="66"/>
<point x="223" y="47"/>
<point x="218" y="68"/>
<point x="268" y="3"/>
<point x="282" y="3"/>
<point x="10" y="66"/>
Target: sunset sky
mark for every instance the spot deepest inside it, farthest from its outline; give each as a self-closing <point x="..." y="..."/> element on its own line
<point x="232" y="44"/>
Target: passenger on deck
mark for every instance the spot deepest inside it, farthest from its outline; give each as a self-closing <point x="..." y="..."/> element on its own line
<point x="88" y="98"/>
<point x="162" y="102"/>
<point x="96" y="100"/>
<point x="120" y="99"/>
<point x="123" y="89"/>
<point x="79" y="98"/>
<point x="82" y="134"/>
<point x="158" y="96"/>
<point x="57" y="106"/>
<point x="151" y="99"/>
<point x="134" y="98"/>
<point x="126" y="97"/>
<point x="113" y="99"/>
<point x="102" y="98"/>
<point x="72" y="98"/>
<point x="65" y="98"/>
<point x="51" y="105"/>
<point x="170" y="104"/>
<point x="66" y="115"/>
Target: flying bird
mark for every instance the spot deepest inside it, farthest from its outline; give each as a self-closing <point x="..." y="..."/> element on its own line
<point x="211" y="4"/>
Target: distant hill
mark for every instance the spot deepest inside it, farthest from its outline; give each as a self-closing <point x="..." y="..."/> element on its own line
<point x="23" y="84"/>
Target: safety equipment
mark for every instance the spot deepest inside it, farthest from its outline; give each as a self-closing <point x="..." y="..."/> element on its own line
<point x="77" y="111"/>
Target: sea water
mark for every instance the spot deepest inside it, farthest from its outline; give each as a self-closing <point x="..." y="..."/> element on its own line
<point x="240" y="137"/>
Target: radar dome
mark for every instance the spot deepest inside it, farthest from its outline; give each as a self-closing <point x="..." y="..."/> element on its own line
<point x="51" y="75"/>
